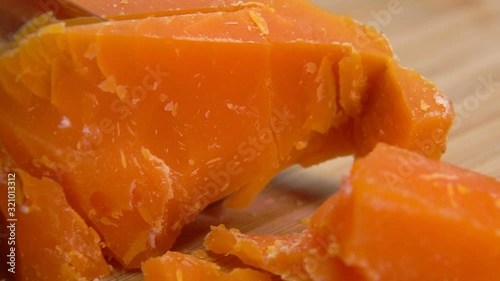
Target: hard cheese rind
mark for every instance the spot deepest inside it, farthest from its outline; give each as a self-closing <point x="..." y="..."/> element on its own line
<point x="178" y="266"/>
<point x="144" y="122"/>
<point x="398" y="216"/>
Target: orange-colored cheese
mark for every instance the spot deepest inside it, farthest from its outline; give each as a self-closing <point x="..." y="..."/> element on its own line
<point x="293" y="256"/>
<point x="178" y="266"/>
<point x="51" y="241"/>
<point x="147" y="8"/>
<point x="398" y="216"/>
<point x="146" y="121"/>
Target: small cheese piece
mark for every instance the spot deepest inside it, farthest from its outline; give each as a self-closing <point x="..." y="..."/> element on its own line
<point x="398" y="216"/>
<point x="182" y="267"/>
<point x="51" y="241"/>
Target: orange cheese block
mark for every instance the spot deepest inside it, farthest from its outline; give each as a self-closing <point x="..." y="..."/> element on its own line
<point x="178" y="266"/>
<point x="51" y="242"/>
<point x="146" y="121"/>
<point x="398" y="216"/>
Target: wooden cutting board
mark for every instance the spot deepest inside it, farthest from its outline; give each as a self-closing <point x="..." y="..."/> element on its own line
<point x="454" y="43"/>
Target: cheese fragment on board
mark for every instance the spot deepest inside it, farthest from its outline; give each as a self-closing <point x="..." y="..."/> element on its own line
<point x="144" y="121"/>
<point x="398" y="216"/>
<point x="52" y="242"/>
<point x="183" y="267"/>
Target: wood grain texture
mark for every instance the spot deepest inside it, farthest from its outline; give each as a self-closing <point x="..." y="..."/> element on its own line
<point x="454" y="43"/>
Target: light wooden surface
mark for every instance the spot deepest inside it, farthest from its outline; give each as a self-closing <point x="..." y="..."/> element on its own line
<point x="454" y="43"/>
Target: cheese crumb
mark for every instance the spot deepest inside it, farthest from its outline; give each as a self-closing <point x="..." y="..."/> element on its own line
<point x="212" y="161"/>
<point x="109" y="85"/>
<point x="65" y="123"/>
<point x="259" y="21"/>
<point x="172" y="107"/>
<point x="311" y="67"/>
<point x="123" y="159"/>
<point x="163" y="97"/>
<point x="152" y="240"/>
<point x="423" y="105"/>
<point x="441" y="100"/>
<point x="91" y="52"/>
<point x="106" y="221"/>
<point x="300" y="145"/>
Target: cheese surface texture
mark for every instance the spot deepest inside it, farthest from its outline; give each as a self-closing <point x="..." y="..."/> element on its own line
<point x="398" y="216"/>
<point x="144" y="121"/>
